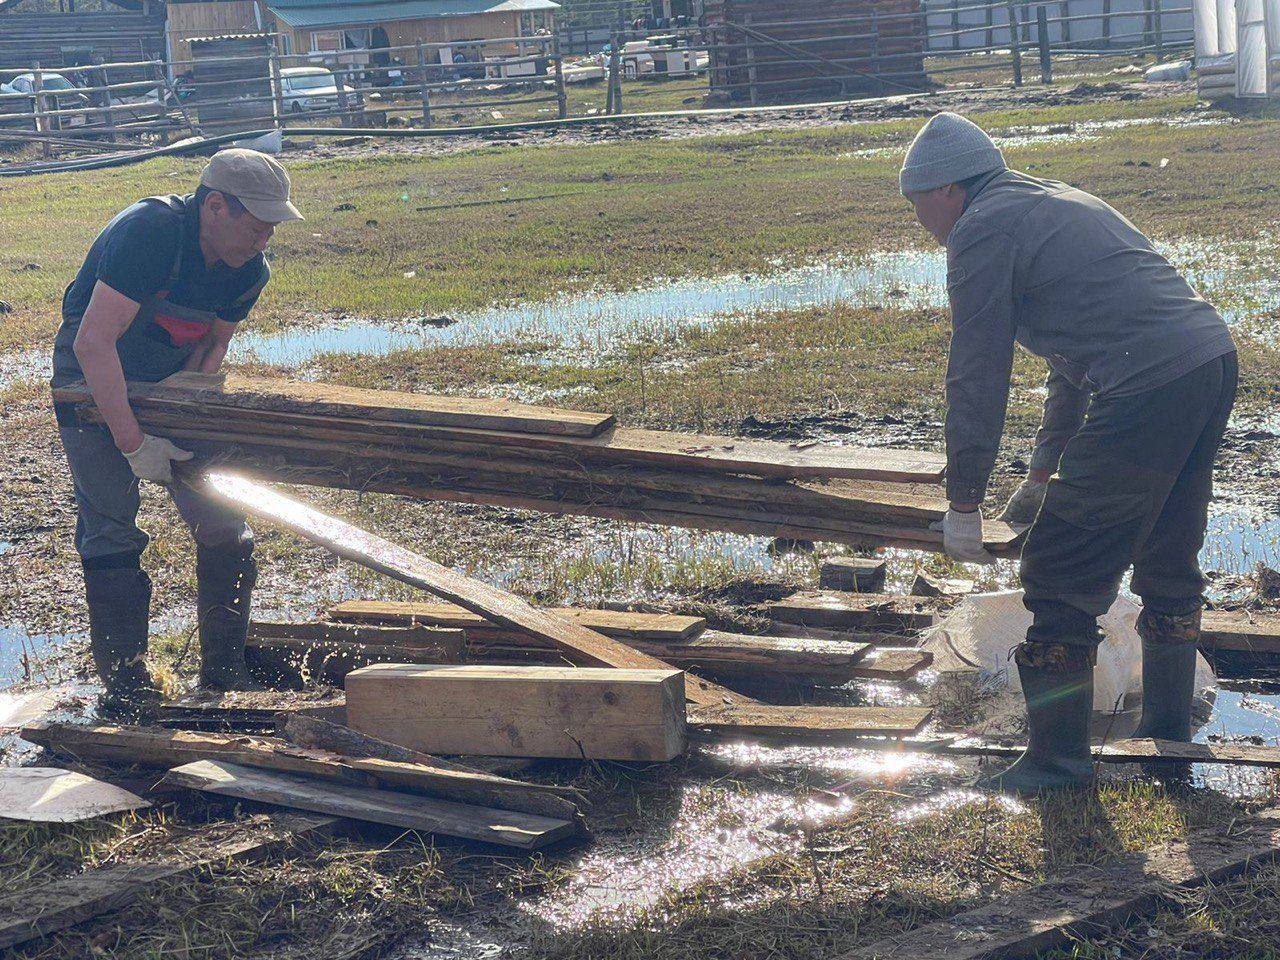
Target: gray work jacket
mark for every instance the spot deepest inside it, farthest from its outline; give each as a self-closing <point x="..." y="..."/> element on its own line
<point x="1048" y="266"/>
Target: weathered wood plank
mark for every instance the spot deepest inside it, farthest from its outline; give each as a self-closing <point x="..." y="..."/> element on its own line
<point x="1089" y="899"/>
<point x="1241" y="631"/>
<point x="509" y="828"/>
<point x="807" y="724"/>
<point x="166" y="748"/>
<point x="568" y="712"/>
<point x="894" y="664"/>
<point x="450" y="643"/>
<point x="626" y="625"/>
<point x="1138" y="751"/>
<point x="271" y="396"/>
<point x="834" y="610"/>
<point x="37" y="911"/>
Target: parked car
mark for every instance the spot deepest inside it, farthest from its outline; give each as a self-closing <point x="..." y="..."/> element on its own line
<point x="308" y="90"/>
<point x="62" y="94"/>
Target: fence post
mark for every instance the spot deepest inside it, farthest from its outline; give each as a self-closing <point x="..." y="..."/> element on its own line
<point x="1065" y="13"/>
<point x="37" y="106"/>
<point x="422" y="85"/>
<point x="614" y="101"/>
<point x="562" y="95"/>
<point x="1013" y="42"/>
<point x="339" y="82"/>
<point x="1042" y="35"/>
<point x="277" y="88"/>
<point x="608" y="74"/>
<point x="752" y="76"/>
<point x="1146" y="23"/>
<point x="990" y="10"/>
<point x="955" y="24"/>
<point x="104" y="99"/>
<point x="1158" y="27"/>
<point x="1106" y="23"/>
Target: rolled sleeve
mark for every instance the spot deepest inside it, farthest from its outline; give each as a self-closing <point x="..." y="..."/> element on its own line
<point x="980" y="288"/>
<point x="1064" y="409"/>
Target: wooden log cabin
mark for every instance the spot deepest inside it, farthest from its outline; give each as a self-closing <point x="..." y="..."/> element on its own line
<point x="770" y="50"/>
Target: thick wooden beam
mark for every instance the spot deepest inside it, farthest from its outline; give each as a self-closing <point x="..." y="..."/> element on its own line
<point x="1088" y="900"/>
<point x="523" y="831"/>
<point x="856" y="574"/>
<point x="568" y="712"/>
<point x="37" y="911"/>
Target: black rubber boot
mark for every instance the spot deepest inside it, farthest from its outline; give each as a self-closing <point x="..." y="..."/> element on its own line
<point x="225" y="578"/>
<point x="1059" y="691"/>
<point x="119" y="601"/>
<point x="1169" y="646"/>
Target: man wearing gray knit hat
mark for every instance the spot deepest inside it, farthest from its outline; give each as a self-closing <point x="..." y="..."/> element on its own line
<point x="1142" y="378"/>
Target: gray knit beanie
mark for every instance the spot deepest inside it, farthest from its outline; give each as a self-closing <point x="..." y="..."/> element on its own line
<point x="948" y="149"/>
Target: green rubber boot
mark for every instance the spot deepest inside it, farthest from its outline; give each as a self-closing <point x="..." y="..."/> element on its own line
<point x="119" y="601"/>
<point x="1059" y="693"/>
<point x="225" y="579"/>
<point x="1168" y="674"/>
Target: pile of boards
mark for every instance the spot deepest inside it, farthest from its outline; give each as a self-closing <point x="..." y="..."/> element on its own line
<point x="358" y="633"/>
<point x="541" y="458"/>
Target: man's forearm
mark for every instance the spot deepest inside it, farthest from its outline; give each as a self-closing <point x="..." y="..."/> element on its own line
<point x="105" y="378"/>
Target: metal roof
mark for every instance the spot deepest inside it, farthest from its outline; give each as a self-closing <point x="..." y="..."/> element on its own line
<point x="332" y="13"/>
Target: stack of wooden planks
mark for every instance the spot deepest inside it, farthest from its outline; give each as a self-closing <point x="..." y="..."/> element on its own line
<point x="540" y="458"/>
<point x="358" y="633"/>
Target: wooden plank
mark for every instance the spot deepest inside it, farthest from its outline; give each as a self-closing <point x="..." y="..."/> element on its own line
<point x="568" y="712"/>
<point x="43" y="909"/>
<point x="251" y="707"/>
<point x="712" y="702"/>
<point x="296" y="661"/>
<point x="807" y="724"/>
<point x="1138" y="751"/>
<point x="894" y="664"/>
<point x="626" y="625"/>
<point x="1088" y="900"/>
<point x="450" y="643"/>
<point x="1241" y="631"/>
<point x="835" y="610"/>
<point x="430" y="776"/>
<point x="270" y="396"/>
<point x="509" y="828"/>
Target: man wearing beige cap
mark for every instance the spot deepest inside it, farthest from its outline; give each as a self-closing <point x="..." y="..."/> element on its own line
<point x="162" y="290"/>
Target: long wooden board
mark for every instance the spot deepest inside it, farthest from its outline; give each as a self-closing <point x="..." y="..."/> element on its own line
<point x="623" y="625"/>
<point x="810" y="724"/>
<point x="712" y="703"/>
<point x="274" y="396"/>
<point x="524" y="831"/>
<point x="449" y="643"/>
<point x="1088" y="900"/>
<point x="1241" y="631"/>
<point x="834" y="610"/>
<point x="37" y="911"/>
<point x="1138" y="751"/>
<point x="430" y="776"/>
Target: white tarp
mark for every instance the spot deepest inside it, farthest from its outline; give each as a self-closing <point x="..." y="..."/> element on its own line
<point x="980" y="634"/>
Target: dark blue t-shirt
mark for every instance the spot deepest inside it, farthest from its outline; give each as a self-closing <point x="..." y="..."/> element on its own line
<point x="135" y="255"/>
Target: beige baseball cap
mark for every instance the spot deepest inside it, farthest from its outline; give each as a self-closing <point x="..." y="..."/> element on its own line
<point x="255" y="179"/>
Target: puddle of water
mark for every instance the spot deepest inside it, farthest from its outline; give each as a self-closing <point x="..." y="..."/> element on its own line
<point x="1237" y="540"/>
<point x="21" y="652"/>
<point x="595" y="320"/>
<point x="949" y="801"/>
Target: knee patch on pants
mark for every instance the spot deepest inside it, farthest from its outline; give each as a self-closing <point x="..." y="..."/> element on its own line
<point x="1055" y="657"/>
<point x="1156" y="627"/>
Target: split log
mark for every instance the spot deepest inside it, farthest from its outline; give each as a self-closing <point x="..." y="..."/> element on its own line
<point x="523" y="831"/>
<point x="429" y="776"/>
<point x="1088" y="900"/>
<point x="43" y="909"/>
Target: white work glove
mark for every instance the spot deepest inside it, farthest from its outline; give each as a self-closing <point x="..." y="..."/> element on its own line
<point x="1025" y="503"/>
<point x="155" y="458"/>
<point x="962" y="536"/>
